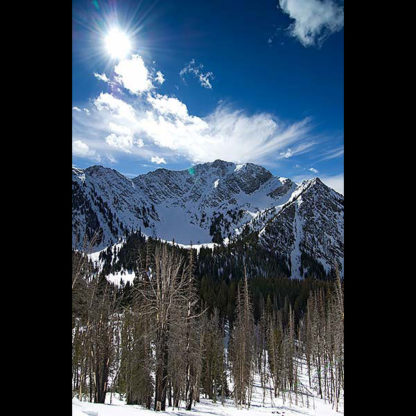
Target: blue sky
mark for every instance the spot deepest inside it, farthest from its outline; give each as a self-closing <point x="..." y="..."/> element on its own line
<point x="249" y="81"/>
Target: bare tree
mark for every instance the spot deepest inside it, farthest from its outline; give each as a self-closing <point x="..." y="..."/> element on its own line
<point x="242" y="348"/>
<point x="168" y="298"/>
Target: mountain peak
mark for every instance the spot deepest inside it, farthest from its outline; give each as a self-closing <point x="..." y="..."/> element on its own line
<point x="219" y="163"/>
<point x="210" y="202"/>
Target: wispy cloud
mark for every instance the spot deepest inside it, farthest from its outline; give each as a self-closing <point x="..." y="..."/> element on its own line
<point x="313" y="170"/>
<point x="101" y="77"/>
<point x="299" y="149"/>
<point x="159" y="127"/>
<point x="332" y="153"/>
<point x="196" y="70"/>
<point x="164" y="124"/>
<point x="314" y="20"/>
<point x="225" y="134"/>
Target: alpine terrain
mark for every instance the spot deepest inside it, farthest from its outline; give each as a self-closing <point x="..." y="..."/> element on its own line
<point x="219" y="202"/>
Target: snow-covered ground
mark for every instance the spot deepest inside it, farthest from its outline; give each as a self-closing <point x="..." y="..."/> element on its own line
<point x="128" y="275"/>
<point x="272" y="406"/>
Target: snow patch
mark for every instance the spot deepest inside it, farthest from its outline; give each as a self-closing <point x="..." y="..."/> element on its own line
<point x="261" y="404"/>
<point x="116" y="278"/>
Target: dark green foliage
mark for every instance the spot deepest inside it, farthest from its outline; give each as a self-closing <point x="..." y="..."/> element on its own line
<point x="218" y="272"/>
<point x="311" y="267"/>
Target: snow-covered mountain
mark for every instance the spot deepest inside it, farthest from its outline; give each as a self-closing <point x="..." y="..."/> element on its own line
<point x="211" y="202"/>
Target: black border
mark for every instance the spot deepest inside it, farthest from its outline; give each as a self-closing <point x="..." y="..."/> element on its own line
<point x="38" y="284"/>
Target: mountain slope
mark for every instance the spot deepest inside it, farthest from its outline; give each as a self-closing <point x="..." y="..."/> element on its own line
<point x="308" y="230"/>
<point x="212" y="202"/>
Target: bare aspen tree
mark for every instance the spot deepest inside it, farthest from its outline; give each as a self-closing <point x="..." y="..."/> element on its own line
<point x="323" y="341"/>
<point x="168" y="298"/>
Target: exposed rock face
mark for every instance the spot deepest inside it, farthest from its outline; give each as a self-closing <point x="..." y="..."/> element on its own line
<point x="308" y="229"/>
<point x="210" y="202"/>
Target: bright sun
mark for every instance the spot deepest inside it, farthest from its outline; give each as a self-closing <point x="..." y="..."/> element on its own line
<point x="117" y="43"/>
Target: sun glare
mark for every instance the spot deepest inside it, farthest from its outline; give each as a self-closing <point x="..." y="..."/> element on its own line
<point x="117" y="44"/>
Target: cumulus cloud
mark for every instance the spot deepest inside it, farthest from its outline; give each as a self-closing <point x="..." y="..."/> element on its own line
<point x="116" y="106"/>
<point x="158" y="160"/>
<point x="133" y="75"/>
<point x="196" y="70"/>
<point x="168" y="105"/>
<point x="81" y="149"/>
<point x="124" y="143"/>
<point x="314" y="20"/>
<point x="110" y="128"/>
<point x="119" y="129"/>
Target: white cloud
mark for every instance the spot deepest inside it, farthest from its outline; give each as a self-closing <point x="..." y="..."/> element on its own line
<point x="138" y="142"/>
<point x="159" y="77"/>
<point x="101" y="77"/>
<point x="224" y="134"/>
<point x="169" y="130"/>
<point x="119" y="129"/>
<point x="120" y="108"/>
<point x="333" y="153"/>
<point x="124" y="143"/>
<point x="287" y="154"/>
<point x="299" y="149"/>
<point x="204" y="79"/>
<point x="315" y="20"/>
<point x="196" y="70"/>
<point x="133" y="75"/>
<point x="76" y="108"/>
<point x="168" y="105"/>
<point x="110" y="158"/>
<point x="313" y="170"/>
<point x="165" y="124"/>
<point x="158" y="160"/>
<point x="81" y="149"/>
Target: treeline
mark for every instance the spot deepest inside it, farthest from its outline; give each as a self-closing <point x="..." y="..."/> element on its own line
<point x="174" y="335"/>
<point x="217" y="272"/>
